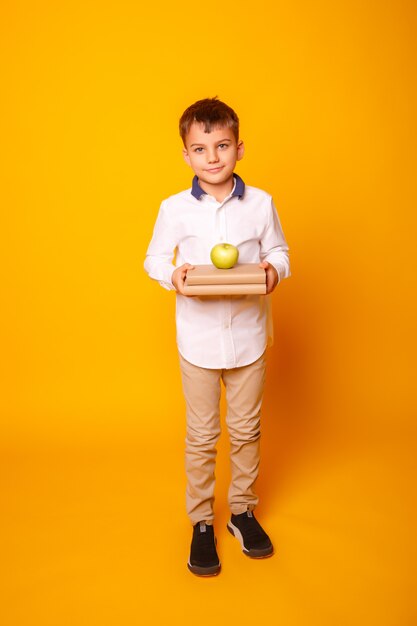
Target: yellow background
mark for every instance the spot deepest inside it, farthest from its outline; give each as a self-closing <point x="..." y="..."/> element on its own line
<point x="92" y="417"/>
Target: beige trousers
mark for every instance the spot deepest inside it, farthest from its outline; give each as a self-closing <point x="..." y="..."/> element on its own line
<point x="244" y="388"/>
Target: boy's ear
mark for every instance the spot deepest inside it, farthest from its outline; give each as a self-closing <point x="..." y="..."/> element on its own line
<point x="186" y="157"/>
<point x="240" y="150"/>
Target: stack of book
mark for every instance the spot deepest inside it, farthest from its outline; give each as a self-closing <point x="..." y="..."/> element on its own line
<point x="243" y="279"/>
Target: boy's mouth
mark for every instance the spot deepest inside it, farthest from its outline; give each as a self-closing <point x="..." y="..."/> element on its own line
<point x="215" y="169"/>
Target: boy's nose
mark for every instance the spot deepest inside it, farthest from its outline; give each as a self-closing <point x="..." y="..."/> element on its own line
<point x="212" y="156"/>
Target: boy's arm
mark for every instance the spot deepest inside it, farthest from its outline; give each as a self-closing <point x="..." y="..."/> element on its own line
<point x="160" y="254"/>
<point x="274" y="248"/>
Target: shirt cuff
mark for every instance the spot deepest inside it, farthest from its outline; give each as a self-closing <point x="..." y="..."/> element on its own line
<point x="163" y="275"/>
<point x="281" y="271"/>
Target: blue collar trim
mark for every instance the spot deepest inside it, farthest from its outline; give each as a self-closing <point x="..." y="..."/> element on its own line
<point x="197" y="192"/>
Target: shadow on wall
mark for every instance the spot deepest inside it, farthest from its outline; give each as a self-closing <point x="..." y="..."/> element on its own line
<point x="293" y="429"/>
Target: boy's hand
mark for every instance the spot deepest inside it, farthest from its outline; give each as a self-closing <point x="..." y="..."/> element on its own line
<point x="179" y="275"/>
<point x="271" y="276"/>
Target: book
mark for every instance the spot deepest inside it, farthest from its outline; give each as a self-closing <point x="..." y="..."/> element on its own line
<point x="242" y="273"/>
<point x="243" y="279"/>
<point x="237" y="289"/>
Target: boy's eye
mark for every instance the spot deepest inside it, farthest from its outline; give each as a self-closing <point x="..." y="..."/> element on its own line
<point x="223" y="145"/>
<point x="198" y="150"/>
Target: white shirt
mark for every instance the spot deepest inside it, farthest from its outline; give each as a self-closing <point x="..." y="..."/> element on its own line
<point x="218" y="332"/>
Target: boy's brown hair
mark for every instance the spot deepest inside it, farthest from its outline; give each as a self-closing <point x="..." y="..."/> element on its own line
<point x="211" y="112"/>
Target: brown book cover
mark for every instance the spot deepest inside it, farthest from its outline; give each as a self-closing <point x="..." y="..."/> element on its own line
<point x="244" y="273"/>
<point x="236" y="289"/>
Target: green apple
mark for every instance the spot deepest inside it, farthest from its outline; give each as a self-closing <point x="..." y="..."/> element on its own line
<point x="224" y="255"/>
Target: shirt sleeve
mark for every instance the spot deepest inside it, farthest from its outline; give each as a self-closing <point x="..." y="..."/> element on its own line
<point x="274" y="248"/>
<point x="160" y="254"/>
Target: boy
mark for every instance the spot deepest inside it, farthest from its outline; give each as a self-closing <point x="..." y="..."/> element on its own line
<point x="221" y="337"/>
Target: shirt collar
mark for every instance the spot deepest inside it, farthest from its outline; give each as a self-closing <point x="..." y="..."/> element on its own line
<point x="238" y="190"/>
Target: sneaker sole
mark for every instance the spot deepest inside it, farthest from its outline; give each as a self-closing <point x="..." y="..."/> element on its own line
<point x="254" y="553"/>
<point x="204" y="571"/>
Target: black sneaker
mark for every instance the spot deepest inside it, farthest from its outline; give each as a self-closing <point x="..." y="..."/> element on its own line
<point x="203" y="556"/>
<point x="252" y="537"/>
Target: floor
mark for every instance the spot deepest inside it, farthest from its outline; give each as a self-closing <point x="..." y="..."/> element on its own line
<point x="95" y="533"/>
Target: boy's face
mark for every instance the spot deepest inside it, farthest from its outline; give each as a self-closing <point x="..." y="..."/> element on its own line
<point x="212" y="156"/>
